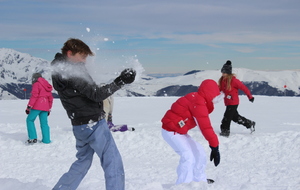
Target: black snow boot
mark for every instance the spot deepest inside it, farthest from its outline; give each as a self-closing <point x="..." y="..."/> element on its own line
<point x="252" y="126"/>
<point x="31" y="141"/>
<point x="225" y="133"/>
<point x="210" y="181"/>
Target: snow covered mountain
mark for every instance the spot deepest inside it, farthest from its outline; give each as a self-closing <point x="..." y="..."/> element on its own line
<point x="15" y="73"/>
<point x="16" y="69"/>
<point x="270" y="83"/>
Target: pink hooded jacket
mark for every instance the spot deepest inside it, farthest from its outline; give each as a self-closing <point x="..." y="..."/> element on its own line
<point x="41" y="96"/>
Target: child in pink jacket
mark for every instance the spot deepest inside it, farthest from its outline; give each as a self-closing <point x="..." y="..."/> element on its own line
<point x="40" y="104"/>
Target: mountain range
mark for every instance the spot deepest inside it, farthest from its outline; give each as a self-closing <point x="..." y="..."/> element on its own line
<point x="16" y="69"/>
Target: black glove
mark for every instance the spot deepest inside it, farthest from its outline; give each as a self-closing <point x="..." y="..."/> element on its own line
<point x="127" y="76"/>
<point x="251" y="100"/>
<point x="215" y="155"/>
<point x="27" y="111"/>
<point x="49" y="113"/>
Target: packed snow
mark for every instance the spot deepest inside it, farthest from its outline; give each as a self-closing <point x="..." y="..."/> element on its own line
<point x="265" y="160"/>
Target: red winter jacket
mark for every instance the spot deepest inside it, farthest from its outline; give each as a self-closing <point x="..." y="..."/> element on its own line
<point x="232" y="95"/>
<point x="41" y="96"/>
<point x="194" y="109"/>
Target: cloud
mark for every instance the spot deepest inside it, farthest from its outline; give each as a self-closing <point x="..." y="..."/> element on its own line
<point x="278" y="58"/>
<point x="159" y="30"/>
<point x="234" y="37"/>
<point x="147" y="18"/>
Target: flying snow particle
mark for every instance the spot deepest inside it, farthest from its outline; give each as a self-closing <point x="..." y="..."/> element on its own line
<point x="105" y="39"/>
<point x="88" y="29"/>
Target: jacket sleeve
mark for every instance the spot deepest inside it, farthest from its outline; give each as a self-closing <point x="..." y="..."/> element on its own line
<point x="243" y="87"/>
<point x="92" y="91"/>
<point x="34" y="94"/>
<point x="50" y="99"/>
<point x="201" y="116"/>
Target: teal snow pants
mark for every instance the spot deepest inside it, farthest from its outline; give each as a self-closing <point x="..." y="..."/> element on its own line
<point x="43" y="116"/>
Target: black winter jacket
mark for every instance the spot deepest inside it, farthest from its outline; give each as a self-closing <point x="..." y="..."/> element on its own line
<point x="79" y="94"/>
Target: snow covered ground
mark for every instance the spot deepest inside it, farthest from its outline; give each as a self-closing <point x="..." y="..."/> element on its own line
<point x="265" y="160"/>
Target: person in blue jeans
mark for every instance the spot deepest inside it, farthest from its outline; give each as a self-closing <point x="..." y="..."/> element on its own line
<point x="90" y="139"/>
<point x="83" y="101"/>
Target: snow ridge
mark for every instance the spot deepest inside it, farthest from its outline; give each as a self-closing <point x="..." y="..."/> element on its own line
<point x="16" y="69"/>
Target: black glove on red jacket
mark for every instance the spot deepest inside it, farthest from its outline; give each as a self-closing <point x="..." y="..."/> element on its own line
<point x="215" y="155"/>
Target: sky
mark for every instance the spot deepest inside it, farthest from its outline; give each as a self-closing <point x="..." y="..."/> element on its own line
<point x="170" y="36"/>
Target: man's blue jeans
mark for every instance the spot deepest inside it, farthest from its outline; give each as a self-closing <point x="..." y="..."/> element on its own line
<point x="90" y="139"/>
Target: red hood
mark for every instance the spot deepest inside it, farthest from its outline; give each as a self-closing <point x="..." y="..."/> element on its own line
<point x="209" y="89"/>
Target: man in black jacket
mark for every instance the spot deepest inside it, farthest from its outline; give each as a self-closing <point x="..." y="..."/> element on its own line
<point x="83" y="102"/>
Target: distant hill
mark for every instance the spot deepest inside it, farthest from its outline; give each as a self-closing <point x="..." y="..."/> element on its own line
<point x="16" y="69"/>
<point x="268" y="83"/>
<point x="193" y="72"/>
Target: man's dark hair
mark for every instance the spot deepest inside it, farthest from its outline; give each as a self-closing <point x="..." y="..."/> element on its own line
<point x="76" y="46"/>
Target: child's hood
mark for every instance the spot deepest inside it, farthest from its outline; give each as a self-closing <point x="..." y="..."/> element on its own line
<point x="209" y="90"/>
<point x="45" y="84"/>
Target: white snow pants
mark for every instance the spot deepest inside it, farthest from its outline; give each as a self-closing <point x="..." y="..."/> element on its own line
<point x="192" y="161"/>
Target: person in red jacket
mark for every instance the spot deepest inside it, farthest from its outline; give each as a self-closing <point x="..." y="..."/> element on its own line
<point x="230" y="85"/>
<point x="187" y="112"/>
<point x="40" y="104"/>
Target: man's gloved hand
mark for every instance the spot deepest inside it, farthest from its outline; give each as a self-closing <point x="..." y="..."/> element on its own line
<point x="215" y="155"/>
<point x="27" y="111"/>
<point x="127" y="76"/>
<point x="251" y="100"/>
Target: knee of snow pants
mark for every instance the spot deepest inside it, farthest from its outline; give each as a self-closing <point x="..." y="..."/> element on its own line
<point x="192" y="157"/>
<point x="30" y="123"/>
<point x="230" y="114"/>
<point x="44" y="127"/>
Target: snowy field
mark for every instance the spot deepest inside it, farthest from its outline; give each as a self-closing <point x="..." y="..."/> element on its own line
<point x="265" y="160"/>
